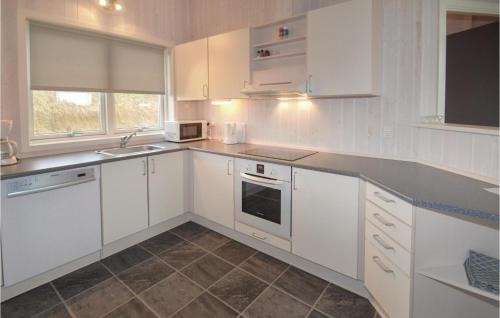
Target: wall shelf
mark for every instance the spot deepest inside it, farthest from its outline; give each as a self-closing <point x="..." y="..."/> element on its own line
<point x="279" y="42"/>
<point x="454" y="275"/>
<point x="279" y="56"/>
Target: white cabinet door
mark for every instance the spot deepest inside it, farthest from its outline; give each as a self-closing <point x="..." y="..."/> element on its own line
<point x="325" y="219"/>
<point x="191" y="70"/>
<point x="343" y="49"/>
<point x="166" y="186"/>
<point x="124" y="198"/>
<point x="213" y="187"/>
<point x="229" y="64"/>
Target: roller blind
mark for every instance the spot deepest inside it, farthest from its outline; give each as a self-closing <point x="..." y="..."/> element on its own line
<point x="71" y="60"/>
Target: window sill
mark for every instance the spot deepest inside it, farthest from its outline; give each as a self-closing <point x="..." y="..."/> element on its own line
<point x="461" y="128"/>
<point x="85" y="143"/>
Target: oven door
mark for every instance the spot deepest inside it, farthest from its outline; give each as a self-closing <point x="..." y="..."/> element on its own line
<point x="264" y="204"/>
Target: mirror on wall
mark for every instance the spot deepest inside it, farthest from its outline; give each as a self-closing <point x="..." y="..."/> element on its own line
<point x="469" y="63"/>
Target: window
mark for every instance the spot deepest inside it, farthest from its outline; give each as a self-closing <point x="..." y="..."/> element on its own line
<point x="468" y="91"/>
<point x="138" y="111"/>
<point x="85" y="84"/>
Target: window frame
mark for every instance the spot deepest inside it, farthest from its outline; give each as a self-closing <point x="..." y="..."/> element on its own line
<point x="457" y="6"/>
<point x="29" y="147"/>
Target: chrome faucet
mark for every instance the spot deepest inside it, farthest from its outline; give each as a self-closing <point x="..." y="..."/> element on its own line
<point x="125" y="139"/>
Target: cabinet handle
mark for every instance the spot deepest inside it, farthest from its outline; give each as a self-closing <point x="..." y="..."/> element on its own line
<point x="205" y="86"/>
<point x="263" y="238"/>
<point x="309" y="80"/>
<point x="378" y="261"/>
<point x="382" y="197"/>
<point x="245" y="84"/>
<point x="229" y="162"/>
<point x="153" y="168"/>
<point x="144" y="167"/>
<point x="295" y="181"/>
<point x="379" y="218"/>
<point x="379" y="240"/>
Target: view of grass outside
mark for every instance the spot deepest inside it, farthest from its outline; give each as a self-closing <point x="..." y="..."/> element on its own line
<point x="80" y="112"/>
<point x="137" y="111"/>
<point x="65" y="112"/>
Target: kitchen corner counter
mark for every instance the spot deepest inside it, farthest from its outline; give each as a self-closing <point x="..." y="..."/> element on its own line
<point x="423" y="186"/>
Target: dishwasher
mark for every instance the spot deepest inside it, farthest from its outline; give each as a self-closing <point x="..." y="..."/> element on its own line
<point x="48" y="220"/>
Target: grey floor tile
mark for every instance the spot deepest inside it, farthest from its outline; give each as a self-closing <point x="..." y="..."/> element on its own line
<point x="301" y="285"/>
<point x="238" y="289"/>
<point x="125" y="259"/>
<point x="145" y="275"/>
<point x="171" y="294"/>
<point x="183" y="254"/>
<point x="30" y="303"/>
<point x="133" y="309"/>
<point x="276" y="304"/>
<point x="264" y="266"/>
<point x="234" y="252"/>
<point x="338" y="302"/>
<point x="206" y="306"/>
<point x="317" y="314"/>
<point x="210" y="240"/>
<point x="161" y="242"/>
<point x="84" y="278"/>
<point x="188" y="230"/>
<point x="58" y="311"/>
<point x="99" y="299"/>
<point x="207" y="270"/>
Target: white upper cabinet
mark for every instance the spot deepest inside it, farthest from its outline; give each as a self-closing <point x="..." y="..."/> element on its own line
<point x="191" y="70"/>
<point x="325" y="219"/>
<point x="344" y="49"/>
<point x="213" y="187"/>
<point x="166" y="186"/>
<point x="229" y="64"/>
<point x="124" y="187"/>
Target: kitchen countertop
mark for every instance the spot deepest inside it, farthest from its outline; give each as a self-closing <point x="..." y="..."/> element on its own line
<point x="424" y="186"/>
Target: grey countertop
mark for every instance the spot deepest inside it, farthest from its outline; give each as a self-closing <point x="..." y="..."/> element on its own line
<point x="422" y="185"/>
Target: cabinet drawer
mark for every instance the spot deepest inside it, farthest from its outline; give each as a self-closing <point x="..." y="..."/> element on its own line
<point x="263" y="236"/>
<point x="392" y="204"/>
<point x="389" y="248"/>
<point x="391" y="226"/>
<point x="388" y="285"/>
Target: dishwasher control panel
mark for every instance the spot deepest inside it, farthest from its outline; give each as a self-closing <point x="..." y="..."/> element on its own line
<point x="48" y="181"/>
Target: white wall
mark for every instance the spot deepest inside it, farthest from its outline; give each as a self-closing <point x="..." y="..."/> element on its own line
<point x="353" y="125"/>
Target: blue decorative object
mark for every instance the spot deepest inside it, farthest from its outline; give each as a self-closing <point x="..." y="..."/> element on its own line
<point x="482" y="271"/>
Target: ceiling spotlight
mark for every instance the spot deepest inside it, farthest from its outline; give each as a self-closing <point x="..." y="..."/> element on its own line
<point x="111" y="5"/>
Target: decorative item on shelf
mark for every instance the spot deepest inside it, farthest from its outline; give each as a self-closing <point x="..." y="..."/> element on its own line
<point x="263" y="53"/>
<point x="283" y="32"/>
<point x="111" y="5"/>
<point x="482" y="271"/>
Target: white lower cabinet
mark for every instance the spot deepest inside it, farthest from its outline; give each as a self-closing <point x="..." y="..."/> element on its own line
<point x="166" y="186"/>
<point x="124" y="187"/>
<point x="325" y="219"/>
<point x="213" y="187"/>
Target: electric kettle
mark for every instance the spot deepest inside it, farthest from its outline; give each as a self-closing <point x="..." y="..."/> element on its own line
<point x="230" y="134"/>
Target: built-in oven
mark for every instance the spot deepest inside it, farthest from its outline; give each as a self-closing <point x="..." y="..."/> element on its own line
<point x="263" y="196"/>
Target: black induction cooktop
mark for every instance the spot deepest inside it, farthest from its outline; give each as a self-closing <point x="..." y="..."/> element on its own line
<point x="279" y="153"/>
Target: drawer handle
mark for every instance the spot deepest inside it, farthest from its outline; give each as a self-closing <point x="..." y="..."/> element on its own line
<point x="379" y="218"/>
<point x="377" y="261"/>
<point x="383" y="198"/>
<point x="377" y="238"/>
<point x="263" y="238"/>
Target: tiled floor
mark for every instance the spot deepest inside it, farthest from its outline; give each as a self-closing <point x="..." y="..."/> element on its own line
<point x="189" y="272"/>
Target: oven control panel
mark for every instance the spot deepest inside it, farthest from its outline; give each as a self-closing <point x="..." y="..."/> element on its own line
<point x="264" y="169"/>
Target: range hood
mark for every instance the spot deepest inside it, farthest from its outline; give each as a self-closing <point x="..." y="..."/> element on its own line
<point x="276" y="90"/>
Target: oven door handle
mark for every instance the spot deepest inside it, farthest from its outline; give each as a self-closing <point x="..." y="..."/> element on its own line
<point x="259" y="179"/>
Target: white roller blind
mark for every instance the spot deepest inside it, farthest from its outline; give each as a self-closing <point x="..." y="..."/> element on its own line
<point x="65" y="59"/>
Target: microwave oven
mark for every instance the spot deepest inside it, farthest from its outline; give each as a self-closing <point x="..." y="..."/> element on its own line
<point x="182" y="131"/>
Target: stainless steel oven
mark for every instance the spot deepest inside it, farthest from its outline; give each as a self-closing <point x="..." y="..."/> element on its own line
<point x="263" y="196"/>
